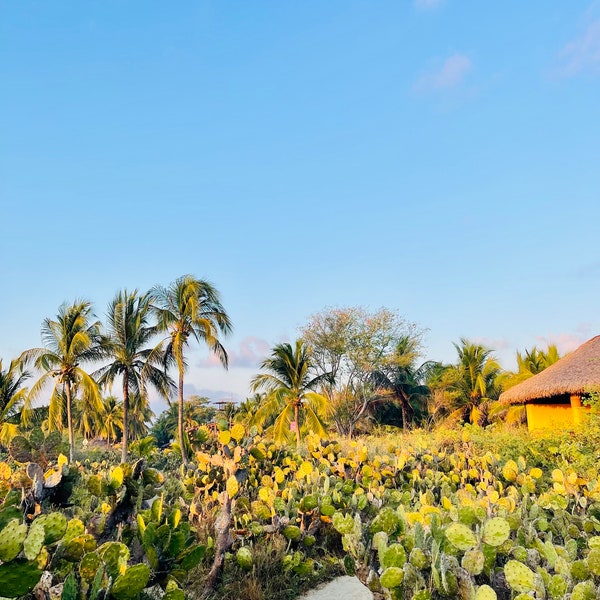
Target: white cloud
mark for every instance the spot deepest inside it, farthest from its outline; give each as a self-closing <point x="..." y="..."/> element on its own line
<point x="567" y="342"/>
<point x="451" y="74"/>
<point x="582" y="54"/>
<point x="249" y="353"/>
<point x="427" y="4"/>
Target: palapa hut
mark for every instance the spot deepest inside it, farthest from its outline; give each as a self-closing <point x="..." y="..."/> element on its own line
<point x="553" y="397"/>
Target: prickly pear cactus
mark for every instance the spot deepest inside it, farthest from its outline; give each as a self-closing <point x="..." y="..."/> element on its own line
<point x="392" y="577"/>
<point x="473" y="561"/>
<point x="11" y="540"/>
<point x="55" y="525"/>
<point x="131" y="583"/>
<point x="519" y="577"/>
<point x="18" y="577"/>
<point x="34" y="541"/>
<point x="394" y="556"/>
<point x="485" y="592"/>
<point x="495" y="531"/>
<point x="461" y="536"/>
<point x="244" y="558"/>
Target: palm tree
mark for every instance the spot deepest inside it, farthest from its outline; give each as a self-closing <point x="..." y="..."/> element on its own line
<point x="112" y="419"/>
<point x="190" y="309"/>
<point x="12" y="397"/>
<point x="290" y="391"/>
<point x="472" y="382"/>
<point x="73" y="338"/>
<point x="403" y="382"/>
<point x="126" y="345"/>
<point x="530" y="363"/>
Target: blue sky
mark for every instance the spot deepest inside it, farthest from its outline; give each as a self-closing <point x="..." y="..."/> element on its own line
<point x="436" y="157"/>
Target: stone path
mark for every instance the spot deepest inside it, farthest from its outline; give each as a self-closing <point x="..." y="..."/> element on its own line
<point x="344" y="588"/>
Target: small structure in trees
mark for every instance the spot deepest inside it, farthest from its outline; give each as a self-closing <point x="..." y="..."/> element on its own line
<point x="553" y="398"/>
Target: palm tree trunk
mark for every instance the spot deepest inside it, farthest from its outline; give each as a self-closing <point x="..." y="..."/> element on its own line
<point x="297" y="419"/>
<point x="125" y="417"/>
<point x="70" y="423"/>
<point x="180" y="418"/>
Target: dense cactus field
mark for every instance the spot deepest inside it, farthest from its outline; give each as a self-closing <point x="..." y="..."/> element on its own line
<point x="411" y="517"/>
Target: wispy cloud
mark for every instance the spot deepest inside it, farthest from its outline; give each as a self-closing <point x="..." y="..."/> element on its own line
<point x="567" y="342"/>
<point x="450" y="74"/>
<point x="249" y="353"/>
<point x="582" y="53"/>
<point x="427" y="4"/>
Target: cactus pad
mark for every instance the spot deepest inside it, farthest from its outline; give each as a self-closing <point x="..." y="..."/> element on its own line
<point x="495" y="531"/>
<point x="131" y="583"/>
<point x="473" y="561"/>
<point x="460" y="536"/>
<point x="519" y="577"/>
<point x="34" y="541"/>
<point x="485" y="592"/>
<point x="394" y="556"/>
<point x="18" y="577"/>
<point x="244" y="558"/>
<point x="392" y="577"/>
<point x="55" y="525"/>
<point x="11" y="540"/>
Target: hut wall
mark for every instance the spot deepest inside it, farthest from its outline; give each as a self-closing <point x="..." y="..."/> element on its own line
<point x="549" y="416"/>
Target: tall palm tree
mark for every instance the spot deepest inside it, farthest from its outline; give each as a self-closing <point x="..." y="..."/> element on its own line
<point x="403" y="382"/>
<point x="71" y="339"/>
<point x="112" y="419"/>
<point x="530" y="363"/>
<point x="472" y="383"/>
<point x="129" y="332"/>
<point x="290" y="391"/>
<point x="190" y="309"/>
<point x="12" y="397"/>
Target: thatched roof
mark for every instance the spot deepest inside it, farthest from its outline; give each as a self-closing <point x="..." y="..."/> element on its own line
<point x="576" y="373"/>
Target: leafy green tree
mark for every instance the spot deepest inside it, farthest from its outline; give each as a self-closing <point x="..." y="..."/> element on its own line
<point x="196" y="411"/>
<point x="530" y="363"/>
<point x="73" y="338"/>
<point x="348" y="345"/>
<point x="13" y="395"/>
<point x="132" y="360"/>
<point x="290" y="392"/>
<point x="112" y="419"/>
<point x="190" y="309"/>
<point x="402" y="383"/>
<point x="471" y="384"/>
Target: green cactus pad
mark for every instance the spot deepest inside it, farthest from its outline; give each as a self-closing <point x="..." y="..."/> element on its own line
<point x="460" y="536"/>
<point x="394" y="556"/>
<point x="75" y="527"/>
<point x="419" y="559"/>
<point x="473" y="561"/>
<point x="115" y="555"/>
<point x="495" y="531"/>
<point x="519" y="577"/>
<point x="131" y="583"/>
<point x="579" y="570"/>
<point x="9" y="513"/>
<point x="585" y="590"/>
<point x="89" y="565"/>
<point x="75" y="548"/>
<point x="485" y="592"/>
<point x="387" y="520"/>
<point x="292" y="532"/>
<point x="342" y="523"/>
<point x="392" y="577"/>
<point x="557" y="588"/>
<point x="34" y="541"/>
<point x="18" y="577"/>
<point x="11" y="540"/>
<point x="244" y="558"/>
<point x="70" y="588"/>
<point x="192" y="557"/>
<point x="593" y="561"/>
<point x="174" y="594"/>
<point x="55" y="526"/>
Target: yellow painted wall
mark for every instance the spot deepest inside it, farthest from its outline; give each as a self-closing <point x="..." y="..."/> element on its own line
<point x="550" y="416"/>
